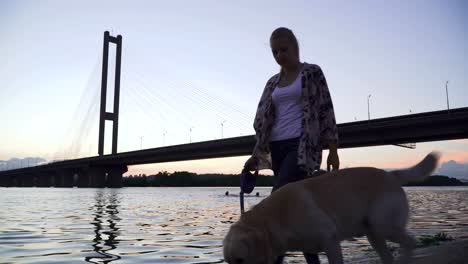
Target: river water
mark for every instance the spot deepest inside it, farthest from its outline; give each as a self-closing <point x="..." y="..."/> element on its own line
<point x="167" y="225"/>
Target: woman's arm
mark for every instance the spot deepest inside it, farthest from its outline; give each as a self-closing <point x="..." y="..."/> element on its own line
<point x="328" y="128"/>
<point x="260" y="153"/>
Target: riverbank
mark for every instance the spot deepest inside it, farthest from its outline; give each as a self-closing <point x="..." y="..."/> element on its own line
<point x="190" y="179"/>
<point x="453" y="252"/>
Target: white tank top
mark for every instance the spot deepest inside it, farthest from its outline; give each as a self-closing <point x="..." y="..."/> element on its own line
<point x="288" y="111"/>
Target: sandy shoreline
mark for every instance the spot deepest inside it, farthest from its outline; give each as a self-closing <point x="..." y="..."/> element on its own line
<point x="454" y="252"/>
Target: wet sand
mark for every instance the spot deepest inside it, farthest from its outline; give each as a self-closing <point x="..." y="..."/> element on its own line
<point x="454" y="252"/>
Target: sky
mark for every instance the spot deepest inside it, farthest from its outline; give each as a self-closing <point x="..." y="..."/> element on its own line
<point x="195" y="70"/>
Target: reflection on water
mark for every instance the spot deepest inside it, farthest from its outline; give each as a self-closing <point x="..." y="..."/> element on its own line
<point x="105" y="215"/>
<point x="439" y="210"/>
<point x="165" y="225"/>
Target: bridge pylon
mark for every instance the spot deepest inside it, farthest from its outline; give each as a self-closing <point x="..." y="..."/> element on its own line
<point x="114" y="117"/>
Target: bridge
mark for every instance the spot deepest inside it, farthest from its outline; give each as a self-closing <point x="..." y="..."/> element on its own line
<point x="107" y="170"/>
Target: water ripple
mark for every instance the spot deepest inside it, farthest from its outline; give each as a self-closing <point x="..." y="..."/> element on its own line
<point x="165" y="225"/>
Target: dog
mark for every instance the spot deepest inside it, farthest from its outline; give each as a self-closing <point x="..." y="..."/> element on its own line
<point x="316" y="214"/>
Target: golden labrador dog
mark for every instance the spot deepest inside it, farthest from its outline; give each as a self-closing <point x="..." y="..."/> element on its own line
<point x="316" y="214"/>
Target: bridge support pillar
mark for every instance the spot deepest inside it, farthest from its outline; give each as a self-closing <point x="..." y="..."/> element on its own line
<point x="34" y="180"/>
<point x="83" y="180"/>
<point x="57" y="179"/>
<point x="114" y="176"/>
<point x="20" y="180"/>
<point x="76" y="176"/>
<point x="13" y="181"/>
<point x="65" y="178"/>
<point x="43" y="179"/>
<point x="97" y="176"/>
<point x="27" y="180"/>
<point x="53" y="179"/>
<point x="5" y="180"/>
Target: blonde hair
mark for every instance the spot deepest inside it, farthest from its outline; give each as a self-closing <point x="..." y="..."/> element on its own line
<point x="283" y="32"/>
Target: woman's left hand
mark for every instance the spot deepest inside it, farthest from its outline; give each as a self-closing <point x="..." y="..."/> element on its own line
<point x="333" y="161"/>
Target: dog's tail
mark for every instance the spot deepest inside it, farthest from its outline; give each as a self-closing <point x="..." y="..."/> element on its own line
<point x="418" y="172"/>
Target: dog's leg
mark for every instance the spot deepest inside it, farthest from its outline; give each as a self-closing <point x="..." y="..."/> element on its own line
<point x="407" y="243"/>
<point x="333" y="251"/>
<point x="380" y="246"/>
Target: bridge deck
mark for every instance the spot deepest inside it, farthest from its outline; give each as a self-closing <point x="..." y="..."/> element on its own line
<point x="414" y="128"/>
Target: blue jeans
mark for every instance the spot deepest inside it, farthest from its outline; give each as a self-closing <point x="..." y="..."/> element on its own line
<point x="285" y="170"/>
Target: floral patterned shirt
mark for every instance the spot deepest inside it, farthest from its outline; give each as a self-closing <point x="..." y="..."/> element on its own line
<point x="318" y="121"/>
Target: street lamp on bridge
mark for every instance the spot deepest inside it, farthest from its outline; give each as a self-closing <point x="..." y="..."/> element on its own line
<point x="368" y="107"/>
<point x="446" y="92"/>
<point x="222" y="128"/>
<point x="190" y="134"/>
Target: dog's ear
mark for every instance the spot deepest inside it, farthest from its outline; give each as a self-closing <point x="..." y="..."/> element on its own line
<point x="260" y="245"/>
<point x="235" y="247"/>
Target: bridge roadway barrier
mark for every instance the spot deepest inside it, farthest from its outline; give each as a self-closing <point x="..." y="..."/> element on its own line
<point x="85" y="177"/>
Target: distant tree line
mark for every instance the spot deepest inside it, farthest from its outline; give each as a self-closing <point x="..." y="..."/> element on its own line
<point x="438" y="180"/>
<point x="190" y="179"/>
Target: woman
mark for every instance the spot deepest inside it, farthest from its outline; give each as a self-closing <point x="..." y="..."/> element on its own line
<point x="294" y="119"/>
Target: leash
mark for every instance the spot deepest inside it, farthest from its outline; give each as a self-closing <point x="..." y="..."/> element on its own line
<point x="247" y="184"/>
<point x="241" y="196"/>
